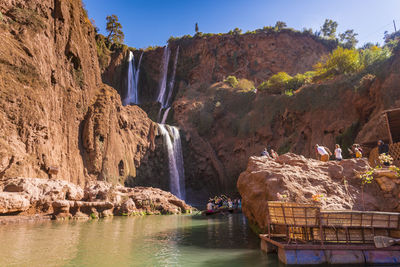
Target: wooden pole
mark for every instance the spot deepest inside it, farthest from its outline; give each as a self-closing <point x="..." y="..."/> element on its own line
<point x="388" y="129"/>
<point x="394" y="24"/>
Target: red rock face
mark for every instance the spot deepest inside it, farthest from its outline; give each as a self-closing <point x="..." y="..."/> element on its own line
<point x="294" y="178"/>
<point x="252" y="56"/>
<point x="55" y="112"/>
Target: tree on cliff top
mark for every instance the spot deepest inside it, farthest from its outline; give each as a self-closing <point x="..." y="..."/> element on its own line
<point x="329" y="29"/>
<point x="114" y="29"/>
<point x="279" y="25"/>
<point x="196" y="27"/>
<point x="348" y="38"/>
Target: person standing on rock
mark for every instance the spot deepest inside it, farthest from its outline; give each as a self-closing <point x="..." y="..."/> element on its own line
<point x="383" y="149"/>
<point x="273" y="154"/>
<point x="265" y="153"/>
<point x="338" y="152"/>
<point x="322" y="152"/>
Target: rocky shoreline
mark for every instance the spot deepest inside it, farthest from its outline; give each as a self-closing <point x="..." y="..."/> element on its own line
<point x="33" y="199"/>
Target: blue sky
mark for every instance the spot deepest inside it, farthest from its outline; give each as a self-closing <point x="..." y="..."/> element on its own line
<point x="152" y="22"/>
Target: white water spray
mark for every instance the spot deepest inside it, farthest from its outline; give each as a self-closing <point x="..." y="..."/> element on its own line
<point x="172" y="141"/>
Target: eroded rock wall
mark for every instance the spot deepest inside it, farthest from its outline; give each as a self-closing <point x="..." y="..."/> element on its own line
<point x="294" y="178"/>
<point x="57" y="118"/>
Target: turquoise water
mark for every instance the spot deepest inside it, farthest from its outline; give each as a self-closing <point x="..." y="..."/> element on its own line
<point x="134" y="241"/>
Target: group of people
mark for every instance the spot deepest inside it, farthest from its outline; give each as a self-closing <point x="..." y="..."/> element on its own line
<point x="223" y="202"/>
<point x="270" y="154"/>
<point x="323" y="153"/>
<point x="355" y="151"/>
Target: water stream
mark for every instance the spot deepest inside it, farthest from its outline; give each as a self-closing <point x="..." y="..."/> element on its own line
<point x="172" y="141"/>
<point x="134" y="241"/>
<point x="132" y="96"/>
<point x="166" y="88"/>
<point x="164" y="75"/>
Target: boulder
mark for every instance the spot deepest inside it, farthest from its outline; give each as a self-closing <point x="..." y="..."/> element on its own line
<point x="128" y="207"/>
<point x="386" y="184"/>
<point x="44" y="190"/>
<point x="98" y="199"/>
<point x="295" y="178"/>
<point x="13" y="202"/>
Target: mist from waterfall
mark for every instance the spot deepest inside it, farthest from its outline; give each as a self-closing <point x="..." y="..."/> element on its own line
<point x="132" y="96"/>
<point x="172" y="141"/>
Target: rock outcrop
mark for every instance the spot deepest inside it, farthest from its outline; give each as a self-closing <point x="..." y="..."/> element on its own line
<point x="57" y="118"/>
<point x="63" y="199"/>
<point x="297" y="179"/>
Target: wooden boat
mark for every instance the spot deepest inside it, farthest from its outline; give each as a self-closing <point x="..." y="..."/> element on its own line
<point x="304" y="234"/>
<point x="218" y="211"/>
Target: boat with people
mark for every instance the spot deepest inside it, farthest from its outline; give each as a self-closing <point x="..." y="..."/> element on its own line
<point x="221" y="205"/>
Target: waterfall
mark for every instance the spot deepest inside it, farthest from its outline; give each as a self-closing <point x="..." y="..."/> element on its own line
<point x="132" y="96"/>
<point x="165" y="116"/>
<point x="137" y="71"/>
<point x="164" y="75"/>
<point x="172" y="141"/>
<point x="172" y="82"/>
<point x="166" y="101"/>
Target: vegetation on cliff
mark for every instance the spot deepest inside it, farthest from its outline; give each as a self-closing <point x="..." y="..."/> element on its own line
<point x="340" y="61"/>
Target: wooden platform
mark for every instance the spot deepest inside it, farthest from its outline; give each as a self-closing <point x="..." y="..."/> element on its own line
<point x="310" y="254"/>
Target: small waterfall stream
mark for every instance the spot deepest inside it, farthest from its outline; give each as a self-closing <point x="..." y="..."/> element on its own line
<point x="166" y="89"/>
<point x="164" y="76"/>
<point x="172" y="141"/>
<point x="132" y="96"/>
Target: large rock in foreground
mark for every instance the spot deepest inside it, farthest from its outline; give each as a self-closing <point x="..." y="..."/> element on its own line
<point x="295" y="178"/>
<point x="98" y="199"/>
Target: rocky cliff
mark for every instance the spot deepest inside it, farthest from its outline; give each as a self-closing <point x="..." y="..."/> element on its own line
<point x="202" y="61"/>
<point x="208" y="59"/>
<point x="234" y="124"/>
<point x="335" y="185"/>
<point x="57" y="118"/>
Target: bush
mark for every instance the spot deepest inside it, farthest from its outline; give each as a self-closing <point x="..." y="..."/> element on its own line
<point x="277" y="84"/>
<point x="245" y="85"/>
<point x="373" y="55"/>
<point x="298" y="81"/>
<point x="232" y="81"/>
<point x="340" y="61"/>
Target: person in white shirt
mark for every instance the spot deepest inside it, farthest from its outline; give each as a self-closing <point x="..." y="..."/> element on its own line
<point x="323" y="152"/>
<point x="338" y="152"/>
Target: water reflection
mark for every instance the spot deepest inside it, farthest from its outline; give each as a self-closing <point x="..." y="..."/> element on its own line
<point x="136" y="241"/>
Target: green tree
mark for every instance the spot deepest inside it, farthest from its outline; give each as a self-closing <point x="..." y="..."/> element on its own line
<point x="276" y="84"/>
<point x="114" y="29"/>
<point x="279" y="25"/>
<point x="340" y="61"/>
<point x="329" y="29"/>
<point x="235" y="31"/>
<point x="348" y="38"/>
<point x="196" y="27"/>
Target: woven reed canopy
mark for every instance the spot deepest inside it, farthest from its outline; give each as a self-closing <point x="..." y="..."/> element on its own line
<point x="393" y="124"/>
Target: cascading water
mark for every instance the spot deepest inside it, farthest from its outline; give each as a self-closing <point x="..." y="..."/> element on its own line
<point x="132" y="96"/>
<point x="172" y="141"/>
<point x="172" y="82"/>
<point x="164" y="74"/>
<point x="164" y="100"/>
<point x="164" y="118"/>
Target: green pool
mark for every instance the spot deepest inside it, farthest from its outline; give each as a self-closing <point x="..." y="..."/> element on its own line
<point x="134" y="241"/>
